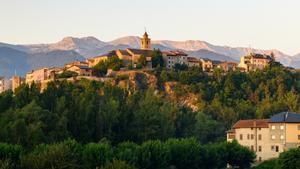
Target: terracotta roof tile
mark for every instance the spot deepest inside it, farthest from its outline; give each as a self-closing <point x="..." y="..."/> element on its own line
<point x="263" y="123"/>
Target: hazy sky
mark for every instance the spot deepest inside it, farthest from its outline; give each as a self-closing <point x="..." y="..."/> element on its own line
<point x="264" y="24"/>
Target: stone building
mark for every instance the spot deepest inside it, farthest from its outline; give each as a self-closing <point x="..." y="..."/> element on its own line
<point x="146" y="42"/>
<point x="194" y="62"/>
<point x="255" y="61"/>
<point x="171" y="58"/>
<point x="16" y="81"/>
<point x="2" y="84"/>
<point x="81" y="70"/>
<point x="227" y="66"/>
<point x="208" y="65"/>
<point x="269" y="137"/>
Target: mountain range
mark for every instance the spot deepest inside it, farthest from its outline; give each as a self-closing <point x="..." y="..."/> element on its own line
<point x="23" y="58"/>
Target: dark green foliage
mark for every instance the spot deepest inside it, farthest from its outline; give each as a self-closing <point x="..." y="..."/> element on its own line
<point x="96" y="155"/>
<point x="180" y="67"/>
<point x="10" y="156"/>
<point x="113" y="63"/>
<point x="269" y="164"/>
<point x="6" y="101"/>
<point x="63" y="155"/>
<point x="185" y="153"/>
<point x="67" y="74"/>
<point x="289" y="159"/>
<point x="173" y="153"/>
<point x="128" y="151"/>
<point x="238" y="156"/>
<point x="142" y="62"/>
<point x="118" y="165"/>
<point x="157" y="59"/>
<point x="153" y="155"/>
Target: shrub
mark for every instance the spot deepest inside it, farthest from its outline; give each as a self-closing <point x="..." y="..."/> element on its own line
<point x="118" y="165"/>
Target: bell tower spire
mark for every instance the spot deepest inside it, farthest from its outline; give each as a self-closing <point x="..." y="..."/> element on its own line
<point x="145" y="41"/>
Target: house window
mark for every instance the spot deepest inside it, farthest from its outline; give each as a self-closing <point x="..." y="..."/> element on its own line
<point x="252" y="137"/>
<point x="273" y="127"/>
<point x="259" y="128"/>
<point x="259" y="159"/>
<point x="298" y="127"/>
<point x="281" y="127"/>
<point x="277" y="148"/>
<point x="259" y="137"/>
<point x="248" y="136"/>
<point x="259" y="148"/>
<point x="252" y="148"/>
<point x="273" y="137"/>
<point x="298" y="137"/>
<point x="241" y="136"/>
<point x="282" y="137"/>
<point x="272" y="148"/>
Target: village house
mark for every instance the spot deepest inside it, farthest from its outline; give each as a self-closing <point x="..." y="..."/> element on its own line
<point x="36" y="76"/>
<point x="208" y="65"/>
<point x="132" y="56"/>
<point x="171" y="58"/>
<point x="254" y="62"/>
<point x="227" y="66"/>
<point x="268" y="137"/>
<point x="16" y="81"/>
<point x="95" y="60"/>
<point x="194" y="62"/>
<point x="42" y="76"/>
<point x="81" y="70"/>
<point x="79" y="63"/>
<point x="2" y="84"/>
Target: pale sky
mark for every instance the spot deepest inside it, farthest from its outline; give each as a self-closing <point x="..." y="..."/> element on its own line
<point x="265" y="24"/>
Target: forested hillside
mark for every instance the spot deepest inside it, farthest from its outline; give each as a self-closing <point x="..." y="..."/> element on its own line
<point x="89" y="111"/>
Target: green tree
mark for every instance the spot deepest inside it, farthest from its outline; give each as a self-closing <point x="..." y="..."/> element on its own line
<point x="157" y="59"/>
<point x="289" y="159"/>
<point x="67" y="74"/>
<point x="153" y="155"/>
<point x="118" y="165"/>
<point x="185" y="153"/>
<point x="96" y="155"/>
<point x="142" y="62"/>
<point x="128" y="151"/>
<point x="239" y="156"/>
<point x="63" y="155"/>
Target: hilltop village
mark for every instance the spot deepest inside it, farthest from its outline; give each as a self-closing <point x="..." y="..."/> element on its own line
<point x="147" y="94"/>
<point x="129" y="60"/>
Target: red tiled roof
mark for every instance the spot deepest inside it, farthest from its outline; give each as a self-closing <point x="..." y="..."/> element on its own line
<point x="124" y="52"/>
<point x="231" y="131"/>
<point x="174" y="53"/>
<point x="193" y="59"/>
<point x="228" y="63"/>
<point x="262" y="123"/>
<point x="146" y="53"/>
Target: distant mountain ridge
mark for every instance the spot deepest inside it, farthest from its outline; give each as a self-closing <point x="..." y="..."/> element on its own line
<point x="72" y="48"/>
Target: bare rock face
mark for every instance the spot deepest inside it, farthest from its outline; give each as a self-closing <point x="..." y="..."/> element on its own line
<point x="135" y="79"/>
<point x="187" y="99"/>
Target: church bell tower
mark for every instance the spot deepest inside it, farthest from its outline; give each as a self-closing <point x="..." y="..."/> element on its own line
<point x="145" y="42"/>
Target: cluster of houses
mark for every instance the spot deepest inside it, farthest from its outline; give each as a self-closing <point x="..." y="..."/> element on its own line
<point x="130" y="57"/>
<point x="268" y="137"/>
